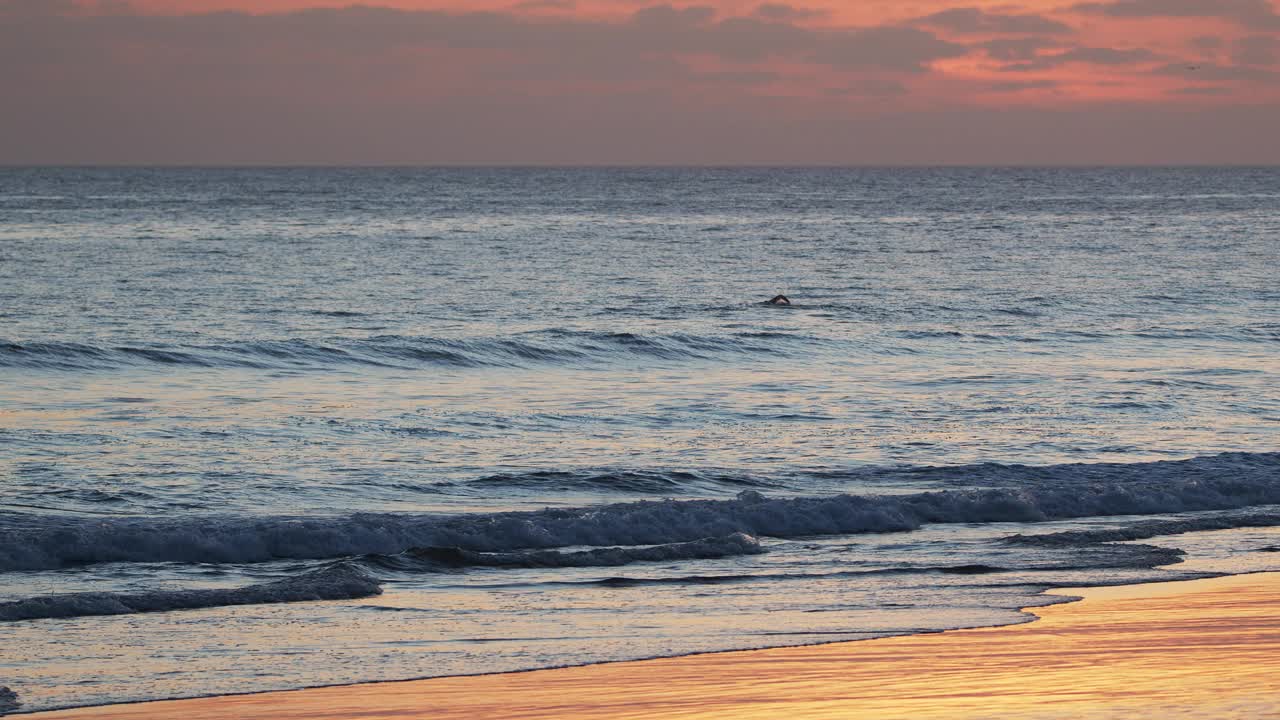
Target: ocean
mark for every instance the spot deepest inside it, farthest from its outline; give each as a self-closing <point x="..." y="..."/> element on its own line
<point x="278" y="428"/>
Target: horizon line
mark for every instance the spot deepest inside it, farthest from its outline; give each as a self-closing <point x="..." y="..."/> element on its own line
<point x="623" y="166"/>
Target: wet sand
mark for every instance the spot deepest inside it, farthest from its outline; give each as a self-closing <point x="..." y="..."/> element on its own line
<point x="1201" y="648"/>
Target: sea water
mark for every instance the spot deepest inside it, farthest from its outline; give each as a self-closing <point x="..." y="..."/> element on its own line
<point x="274" y="428"/>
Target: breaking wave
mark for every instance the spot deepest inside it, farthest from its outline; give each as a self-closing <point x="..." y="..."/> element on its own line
<point x="1224" y="482"/>
<point x="346" y="580"/>
<point x="340" y="581"/>
<point x="363" y="576"/>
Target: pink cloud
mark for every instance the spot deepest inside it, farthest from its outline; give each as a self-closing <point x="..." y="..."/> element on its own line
<point x="656" y="83"/>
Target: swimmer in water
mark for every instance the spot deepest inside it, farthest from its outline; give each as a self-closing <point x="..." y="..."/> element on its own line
<point x="779" y="300"/>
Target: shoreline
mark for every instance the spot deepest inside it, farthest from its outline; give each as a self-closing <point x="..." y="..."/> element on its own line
<point x="1144" y="633"/>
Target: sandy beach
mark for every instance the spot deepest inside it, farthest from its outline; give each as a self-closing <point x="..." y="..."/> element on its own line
<point x="1202" y="648"/>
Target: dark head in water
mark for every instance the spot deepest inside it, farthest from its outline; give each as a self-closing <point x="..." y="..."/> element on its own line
<point x="779" y="300"/>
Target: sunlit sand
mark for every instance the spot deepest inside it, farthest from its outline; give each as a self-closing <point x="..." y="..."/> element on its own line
<point x="1203" y="648"/>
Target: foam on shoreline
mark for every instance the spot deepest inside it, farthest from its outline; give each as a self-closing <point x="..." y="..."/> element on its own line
<point x="1195" y="648"/>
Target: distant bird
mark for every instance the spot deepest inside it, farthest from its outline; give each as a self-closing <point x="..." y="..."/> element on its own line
<point x="1193" y="67"/>
<point x="779" y="300"/>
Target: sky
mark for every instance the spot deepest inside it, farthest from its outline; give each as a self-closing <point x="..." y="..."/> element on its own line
<point x="568" y="82"/>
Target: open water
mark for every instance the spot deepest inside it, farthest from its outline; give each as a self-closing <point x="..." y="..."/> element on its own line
<point x="273" y="428"/>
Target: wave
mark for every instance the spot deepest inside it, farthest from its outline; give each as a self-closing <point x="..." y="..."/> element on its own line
<point x="346" y="580"/>
<point x="8" y="700"/>
<point x="1253" y="467"/>
<point x="340" y="581"/>
<point x="1103" y="557"/>
<point x="1224" y="482"/>
<point x="358" y="578"/>
<point x="430" y="559"/>
<point x="630" y="481"/>
<point x="553" y="346"/>
<point x="1149" y="529"/>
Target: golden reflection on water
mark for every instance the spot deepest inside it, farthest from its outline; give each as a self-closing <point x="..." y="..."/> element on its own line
<point x="1202" y="649"/>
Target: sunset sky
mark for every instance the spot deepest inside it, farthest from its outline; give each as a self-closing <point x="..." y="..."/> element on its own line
<point x="635" y="81"/>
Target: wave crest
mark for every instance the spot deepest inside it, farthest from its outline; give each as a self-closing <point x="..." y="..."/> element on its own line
<point x="346" y="580"/>
<point x="552" y="346"/>
<point x="340" y="581"/>
<point x="1214" y="483"/>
